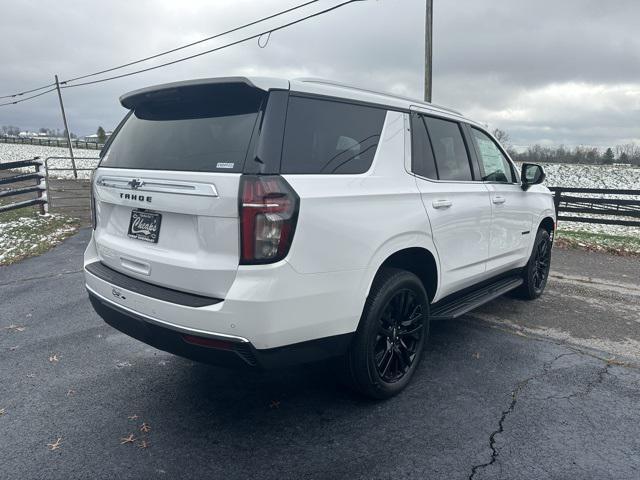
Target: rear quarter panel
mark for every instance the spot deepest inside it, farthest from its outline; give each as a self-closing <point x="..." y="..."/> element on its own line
<point x="355" y="222"/>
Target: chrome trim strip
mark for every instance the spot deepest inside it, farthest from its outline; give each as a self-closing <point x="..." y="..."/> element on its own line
<point x="162" y="323"/>
<point x="159" y="186"/>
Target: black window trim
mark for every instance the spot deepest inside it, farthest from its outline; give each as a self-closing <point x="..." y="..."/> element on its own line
<point x="273" y="144"/>
<point x="514" y="175"/>
<point x="420" y="118"/>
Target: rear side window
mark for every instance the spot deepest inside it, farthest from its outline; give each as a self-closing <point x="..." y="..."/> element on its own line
<point x="449" y="149"/>
<point x="423" y="162"/>
<point x="202" y="131"/>
<point x="323" y="136"/>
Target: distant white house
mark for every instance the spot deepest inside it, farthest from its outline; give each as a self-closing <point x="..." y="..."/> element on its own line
<point x="94" y="138"/>
<point x="28" y="134"/>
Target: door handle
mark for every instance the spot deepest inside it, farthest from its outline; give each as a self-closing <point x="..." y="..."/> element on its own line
<point x="441" y="203"/>
<point x="498" y="199"/>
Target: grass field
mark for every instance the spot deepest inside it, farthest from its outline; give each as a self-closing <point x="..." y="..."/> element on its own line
<point x="617" y="244"/>
<point x="24" y="233"/>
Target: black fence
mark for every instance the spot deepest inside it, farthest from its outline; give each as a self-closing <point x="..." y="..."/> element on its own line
<point x="594" y="205"/>
<point x="27" y="183"/>
<point x="52" y="142"/>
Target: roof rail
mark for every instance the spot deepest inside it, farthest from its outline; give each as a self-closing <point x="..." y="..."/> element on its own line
<point x="400" y="97"/>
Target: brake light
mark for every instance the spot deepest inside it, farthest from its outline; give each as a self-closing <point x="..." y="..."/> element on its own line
<point x="208" y="342"/>
<point x="268" y="215"/>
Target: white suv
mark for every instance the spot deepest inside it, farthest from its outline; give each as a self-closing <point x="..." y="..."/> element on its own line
<point x="263" y="222"/>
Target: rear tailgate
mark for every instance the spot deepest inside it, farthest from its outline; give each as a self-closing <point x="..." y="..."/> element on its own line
<point x="197" y="238"/>
<point x="166" y="191"/>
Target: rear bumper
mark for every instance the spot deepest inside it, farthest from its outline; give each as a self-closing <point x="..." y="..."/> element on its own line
<point x="223" y="350"/>
<point x="271" y="306"/>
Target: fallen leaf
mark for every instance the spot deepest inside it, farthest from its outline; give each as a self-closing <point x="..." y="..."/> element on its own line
<point x="13" y="349"/>
<point x="54" y="358"/>
<point x="31" y="375"/>
<point x="129" y="439"/>
<point x="133" y="417"/>
<point x="143" y="444"/>
<point x="123" y="364"/>
<point x="55" y="445"/>
<point x="71" y="392"/>
<point x="15" y="328"/>
<point x="1" y="411"/>
<point x="274" y="404"/>
<point x="613" y="361"/>
<point x="145" y="427"/>
<point x="476" y="355"/>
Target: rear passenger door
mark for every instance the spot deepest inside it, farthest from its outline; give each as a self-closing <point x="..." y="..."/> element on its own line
<point x="511" y="226"/>
<point x="456" y="201"/>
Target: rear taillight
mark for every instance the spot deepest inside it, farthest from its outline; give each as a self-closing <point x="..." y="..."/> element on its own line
<point x="268" y="215"/>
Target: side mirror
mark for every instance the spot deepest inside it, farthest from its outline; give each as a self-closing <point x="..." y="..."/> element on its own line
<point x="532" y="174"/>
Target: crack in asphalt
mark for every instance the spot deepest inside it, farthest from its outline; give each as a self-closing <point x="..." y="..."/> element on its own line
<point x="590" y="385"/>
<point x="505" y="413"/>
<point x="514" y="329"/>
<point x="40" y="277"/>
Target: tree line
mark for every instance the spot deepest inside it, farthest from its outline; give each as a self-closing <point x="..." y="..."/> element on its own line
<point x="628" y="153"/>
<point x="13" y="131"/>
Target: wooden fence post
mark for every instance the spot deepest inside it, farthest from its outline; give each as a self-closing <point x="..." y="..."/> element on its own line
<point x="556" y="200"/>
<point x="42" y="206"/>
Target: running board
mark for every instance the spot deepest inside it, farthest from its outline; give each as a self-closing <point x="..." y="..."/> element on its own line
<point x="459" y="306"/>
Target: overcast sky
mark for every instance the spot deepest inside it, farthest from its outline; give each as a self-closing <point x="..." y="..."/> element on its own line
<point x="546" y="71"/>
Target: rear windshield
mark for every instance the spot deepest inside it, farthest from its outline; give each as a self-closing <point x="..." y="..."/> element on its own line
<point x="202" y="131"/>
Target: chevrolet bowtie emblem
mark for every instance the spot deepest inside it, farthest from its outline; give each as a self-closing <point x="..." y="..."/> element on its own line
<point x="135" y="183"/>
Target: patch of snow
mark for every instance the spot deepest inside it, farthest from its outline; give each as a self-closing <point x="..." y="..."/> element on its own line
<point x="10" y="152"/>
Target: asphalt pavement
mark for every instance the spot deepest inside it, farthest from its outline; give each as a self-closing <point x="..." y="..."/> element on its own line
<point x="515" y="390"/>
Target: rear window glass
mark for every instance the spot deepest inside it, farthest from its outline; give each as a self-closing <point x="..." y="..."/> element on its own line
<point x="323" y="136"/>
<point x="205" y="132"/>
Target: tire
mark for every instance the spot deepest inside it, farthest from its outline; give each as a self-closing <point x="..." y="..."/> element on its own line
<point x="536" y="272"/>
<point x="390" y="339"/>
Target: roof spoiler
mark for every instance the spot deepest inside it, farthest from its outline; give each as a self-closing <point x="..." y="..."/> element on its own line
<point x="132" y="99"/>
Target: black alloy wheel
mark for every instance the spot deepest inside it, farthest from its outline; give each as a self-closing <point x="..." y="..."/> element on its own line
<point x="390" y="339"/>
<point x="542" y="263"/>
<point x="536" y="272"/>
<point x="399" y="336"/>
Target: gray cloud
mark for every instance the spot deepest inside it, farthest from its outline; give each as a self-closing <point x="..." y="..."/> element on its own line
<point x="546" y="71"/>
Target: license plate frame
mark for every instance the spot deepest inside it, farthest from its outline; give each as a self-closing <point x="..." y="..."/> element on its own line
<point x="144" y="225"/>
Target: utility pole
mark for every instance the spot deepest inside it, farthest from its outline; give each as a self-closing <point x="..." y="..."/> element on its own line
<point x="66" y="128"/>
<point x="428" y="51"/>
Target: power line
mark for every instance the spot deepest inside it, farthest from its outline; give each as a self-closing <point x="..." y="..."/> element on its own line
<point x="27" y="98"/>
<point x="13" y="95"/>
<point x="135" y="62"/>
<point x="246" y="39"/>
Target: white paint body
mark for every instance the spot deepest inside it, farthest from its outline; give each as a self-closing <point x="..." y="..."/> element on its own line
<point x="348" y="225"/>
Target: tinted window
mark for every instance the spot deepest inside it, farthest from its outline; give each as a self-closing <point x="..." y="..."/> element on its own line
<point x="323" y="136"/>
<point x="449" y="149"/>
<point x="207" y="132"/>
<point x="496" y="166"/>
<point x="422" y="161"/>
